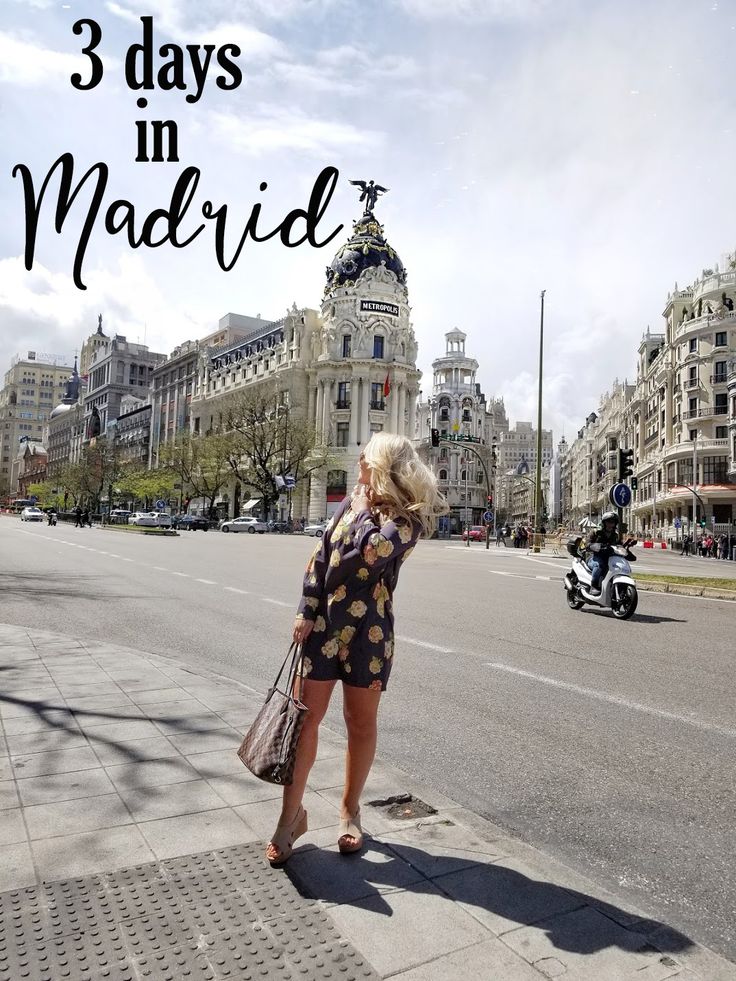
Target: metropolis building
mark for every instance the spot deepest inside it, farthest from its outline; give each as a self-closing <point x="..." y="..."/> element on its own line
<point x="349" y="368"/>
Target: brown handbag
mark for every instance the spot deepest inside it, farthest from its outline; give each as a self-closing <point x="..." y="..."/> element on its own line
<point x="269" y="746"/>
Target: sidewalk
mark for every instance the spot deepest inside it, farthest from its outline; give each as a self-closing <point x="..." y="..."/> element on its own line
<point x="131" y="842"/>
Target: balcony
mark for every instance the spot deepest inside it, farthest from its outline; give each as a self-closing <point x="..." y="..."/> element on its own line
<point x="720" y="378"/>
<point x="707" y="320"/>
<point x="342" y="404"/>
<point x="380" y="405"/>
<point x="691" y="383"/>
<point x="702" y="445"/>
<point x="706" y="411"/>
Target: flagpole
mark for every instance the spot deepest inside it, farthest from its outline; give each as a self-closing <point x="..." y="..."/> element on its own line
<point x="538" y="489"/>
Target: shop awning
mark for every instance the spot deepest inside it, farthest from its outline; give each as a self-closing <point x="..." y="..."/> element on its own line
<point x="250" y="504"/>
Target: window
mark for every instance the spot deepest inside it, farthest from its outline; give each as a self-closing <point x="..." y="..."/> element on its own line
<point x="377" y="395"/>
<point x="464" y="475"/>
<point x="378" y="347"/>
<point x="343" y="398"/>
<point x="376" y="427"/>
<point x="721" y="432"/>
<point x="721" y="338"/>
<point x="715" y="470"/>
<point x="722" y="404"/>
<point x="693" y="344"/>
<point x="346" y="345"/>
<point x="693" y="435"/>
<point x="443" y="475"/>
<point x="342" y="434"/>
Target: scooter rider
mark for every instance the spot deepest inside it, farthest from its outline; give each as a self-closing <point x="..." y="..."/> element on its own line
<point x="600" y="543"/>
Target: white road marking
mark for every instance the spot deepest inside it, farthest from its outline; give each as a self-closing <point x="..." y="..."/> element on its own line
<point x="184" y="575"/>
<point x="234" y="589"/>
<point x="207" y="582"/>
<point x="159" y="568"/>
<point x="614" y="700"/>
<point x="424" y="643"/>
<point x="276" y="602"/>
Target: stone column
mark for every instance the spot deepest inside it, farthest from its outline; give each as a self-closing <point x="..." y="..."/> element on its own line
<point x="394" y="408"/>
<point x="365" y="399"/>
<point x="402" y="410"/>
<point x="311" y="406"/>
<point x="411" y="425"/>
<point x="326" y="409"/>
<point x="317" y="496"/>
<point x="354" y="410"/>
<point x="318" y="408"/>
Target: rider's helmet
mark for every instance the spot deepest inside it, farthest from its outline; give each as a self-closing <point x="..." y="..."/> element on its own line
<point x="609" y="516"/>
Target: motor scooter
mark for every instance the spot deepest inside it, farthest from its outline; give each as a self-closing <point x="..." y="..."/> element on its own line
<point x="618" y="589"/>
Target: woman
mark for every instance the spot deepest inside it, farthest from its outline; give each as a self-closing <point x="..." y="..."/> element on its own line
<point x="345" y="621"/>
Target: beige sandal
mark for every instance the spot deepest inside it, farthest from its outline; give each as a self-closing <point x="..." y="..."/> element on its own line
<point x="285" y="836"/>
<point x="350" y="828"/>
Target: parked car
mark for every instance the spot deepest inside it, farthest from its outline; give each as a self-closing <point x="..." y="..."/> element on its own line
<point x="150" y="519"/>
<point x="31" y="514"/>
<point x="477" y="533"/>
<point x="251" y="525"/>
<point x="191" y="522"/>
<point x="119" y="516"/>
<point x="316" y="528"/>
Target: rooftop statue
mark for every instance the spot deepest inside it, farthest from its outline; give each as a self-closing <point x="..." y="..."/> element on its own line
<point x="369" y="193"/>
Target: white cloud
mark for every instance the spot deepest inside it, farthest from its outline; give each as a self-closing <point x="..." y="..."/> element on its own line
<point x="274" y="128"/>
<point x="27" y="64"/>
<point x="43" y="311"/>
<point x="169" y="18"/>
<point x="345" y="70"/>
<point x="483" y="10"/>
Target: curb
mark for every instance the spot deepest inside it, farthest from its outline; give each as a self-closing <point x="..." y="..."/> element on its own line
<point x="680" y="589"/>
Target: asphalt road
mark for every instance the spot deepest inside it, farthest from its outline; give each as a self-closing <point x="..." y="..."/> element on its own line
<point x="609" y="745"/>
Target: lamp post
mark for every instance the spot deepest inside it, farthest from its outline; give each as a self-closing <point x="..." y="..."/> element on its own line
<point x="695" y="488"/>
<point x="538" y="489"/>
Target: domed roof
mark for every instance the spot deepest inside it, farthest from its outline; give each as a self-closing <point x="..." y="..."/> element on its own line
<point x="366" y="248"/>
<point x="60" y="410"/>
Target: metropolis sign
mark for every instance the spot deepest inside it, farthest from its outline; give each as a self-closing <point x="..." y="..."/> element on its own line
<point x="379" y="306"/>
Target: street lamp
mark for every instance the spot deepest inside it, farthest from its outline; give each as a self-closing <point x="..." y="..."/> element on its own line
<point x="538" y="489"/>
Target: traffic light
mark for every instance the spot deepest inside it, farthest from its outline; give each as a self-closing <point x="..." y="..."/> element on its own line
<point x="490" y="500"/>
<point x="435" y="437"/>
<point x="634" y="483"/>
<point x="702" y="522"/>
<point x="625" y="464"/>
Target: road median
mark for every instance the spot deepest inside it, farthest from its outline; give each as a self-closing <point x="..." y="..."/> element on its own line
<point x="689" y="586"/>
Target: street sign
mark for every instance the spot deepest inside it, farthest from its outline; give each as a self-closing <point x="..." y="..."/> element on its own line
<point x="33" y="498"/>
<point x="488" y="516"/>
<point x="677" y="523"/>
<point x="620" y="495"/>
<point x="160" y="505"/>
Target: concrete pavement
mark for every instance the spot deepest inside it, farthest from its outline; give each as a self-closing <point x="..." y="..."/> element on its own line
<point x="605" y="745"/>
<point x="131" y="836"/>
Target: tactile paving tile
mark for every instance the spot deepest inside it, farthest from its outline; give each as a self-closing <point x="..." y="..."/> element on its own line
<point x="223" y="915"/>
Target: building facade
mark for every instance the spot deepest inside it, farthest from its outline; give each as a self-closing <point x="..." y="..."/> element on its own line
<point x="679" y="418"/>
<point x="132" y="431"/>
<point x="116" y="368"/>
<point x="32" y="387"/>
<point x="350" y="369"/>
<point x="458" y="408"/>
<point x="517" y="462"/>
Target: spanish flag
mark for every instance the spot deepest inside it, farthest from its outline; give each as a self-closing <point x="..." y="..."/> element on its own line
<point x="387" y="385"/>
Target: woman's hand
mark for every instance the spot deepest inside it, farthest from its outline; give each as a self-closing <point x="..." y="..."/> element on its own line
<point x="361" y="499"/>
<point x="302" y="630"/>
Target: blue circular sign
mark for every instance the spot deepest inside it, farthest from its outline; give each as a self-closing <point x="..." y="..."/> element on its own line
<point x="620" y="495"/>
<point x="160" y="505"/>
<point x="488" y="516"/>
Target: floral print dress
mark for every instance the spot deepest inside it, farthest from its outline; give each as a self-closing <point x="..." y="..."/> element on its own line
<point x="348" y="590"/>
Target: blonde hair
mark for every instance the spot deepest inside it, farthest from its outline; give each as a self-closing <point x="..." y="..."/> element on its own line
<point x="401" y="484"/>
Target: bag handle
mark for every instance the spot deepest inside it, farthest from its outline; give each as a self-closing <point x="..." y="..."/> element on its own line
<point x="295" y="653"/>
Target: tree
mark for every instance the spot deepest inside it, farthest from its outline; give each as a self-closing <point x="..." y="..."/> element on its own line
<point x="47" y="494"/>
<point x="270" y="438"/>
<point x="100" y="467"/>
<point x="144" y="485"/>
<point x="201" y="462"/>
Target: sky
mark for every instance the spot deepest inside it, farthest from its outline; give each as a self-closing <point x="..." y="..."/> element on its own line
<point x="582" y="147"/>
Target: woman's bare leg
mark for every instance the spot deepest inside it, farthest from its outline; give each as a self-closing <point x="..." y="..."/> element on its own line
<point x="316" y="696"/>
<point x="360" y="708"/>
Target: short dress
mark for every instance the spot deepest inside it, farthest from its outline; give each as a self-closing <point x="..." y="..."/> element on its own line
<point x="348" y="591"/>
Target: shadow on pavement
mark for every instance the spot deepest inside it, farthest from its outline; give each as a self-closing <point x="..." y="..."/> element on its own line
<point x="63" y="718"/>
<point x="55" y="590"/>
<point x="637" y="617"/>
<point x="486" y="887"/>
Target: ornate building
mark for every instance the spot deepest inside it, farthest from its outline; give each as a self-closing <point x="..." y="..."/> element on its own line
<point x="458" y="409"/>
<point x="66" y="425"/>
<point x="350" y="369"/>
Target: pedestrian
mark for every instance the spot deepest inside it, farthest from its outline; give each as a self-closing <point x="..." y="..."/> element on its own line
<point x="85" y="518"/>
<point x="685" y="545"/>
<point x="723" y="547"/>
<point x="77" y="517"/>
<point x="345" y="621"/>
<point x="499" y="537"/>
